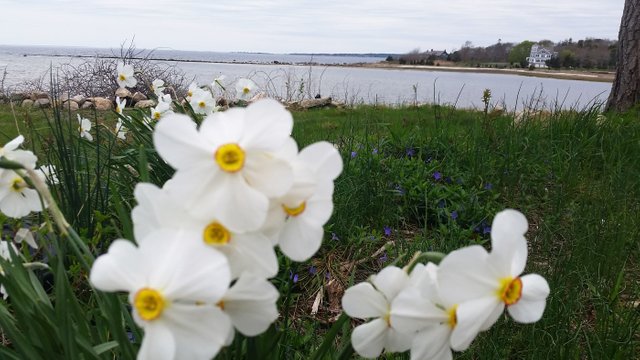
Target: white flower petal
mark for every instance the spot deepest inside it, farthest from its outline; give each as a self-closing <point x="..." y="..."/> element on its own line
<point x="268" y="125"/>
<point x="324" y="159"/>
<point x="508" y="244"/>
<point x="465" y="275"/>
<point x="251" y="252"/>
<point x="272" y="177"/>
<point x="397" y="341"/>
<point x="223" y="127"/>
<point x="410" y="312"/>
<point x="178" y="142"/>
<point x="13" y="144"/>
<point x="251" y="304"/>
<point x="471" y="316"/>
<point x="200" y="331"/>
<point x="300" y="240"/>
<point x="390" y="281"/>
<point x="184" y="267"/>
<point x="369" y="339"/>
<point x="531" y="305"/>
<point x="158" y="343"/>
<point x="236" y="204"/>
<point x="364" y="301"/>
<point x="318" y="210"/>
<point x="120" y="269"/>
<point x="432" y="343"/>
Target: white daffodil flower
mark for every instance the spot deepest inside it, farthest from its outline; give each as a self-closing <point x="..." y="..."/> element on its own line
<point x="246" y="252"/>
<point x="250" y="304"/>
<point x="217" y="83"/>
<point x="11" y="152"/>
<point x="124" y="76"/>
<point x="202" y="102"/>
<point x="173" y="288"/>
<point x="373" y="301"/>
<point x="245" y="89"/>
<point x="419" y="312"/>
<point x="483" y="284"/>
<point x="5" y="254"/>
<point x="226" y="168"/>
<point x="120" y="105"/>
<point x="157" y="86"/>
<point x="25" y="235"/>
<point x="295" y="221"/>
<point x="163" y="108"/>
<point x="121" y="130"/>
<point x="50" y="173"/>
<point x="193" y="88"/>
<point x="16" y="198"/>
<point x="84" y="126"/>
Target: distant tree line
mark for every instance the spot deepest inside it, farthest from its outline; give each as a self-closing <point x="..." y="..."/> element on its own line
<point x="589" y="53"/>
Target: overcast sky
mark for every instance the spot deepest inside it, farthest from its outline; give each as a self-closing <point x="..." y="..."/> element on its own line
<point x="283" y="26"/>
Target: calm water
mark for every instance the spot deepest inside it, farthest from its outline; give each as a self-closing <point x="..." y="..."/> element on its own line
<point x="346" y="84"/>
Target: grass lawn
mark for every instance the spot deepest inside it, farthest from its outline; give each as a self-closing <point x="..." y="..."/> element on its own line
<point x="432" y="178"/>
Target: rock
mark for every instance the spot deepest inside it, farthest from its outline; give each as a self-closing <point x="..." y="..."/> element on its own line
<point x="314" y="103"/>
<point x="63" y="97"/>
<point x="71" y="105"/>
<point x="88" y="105"/>
<point x="27" y="103"/>
<point x="79" y="99"/>
<point x="38" y="95"/>
<point x="102" y="104"/>
<point x="18" y="97"/>
<point x="138" y="96"/>
<point x="145" y="104"/>
<point x="42" y="103"/>
<point x="123" y="93"/>
<point x="258" y="96"/>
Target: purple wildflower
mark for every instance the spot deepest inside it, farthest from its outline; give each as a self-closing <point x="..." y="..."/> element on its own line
<point x="454" y="215"/>
<point x="312" y="270"/>
<point x="437" y="176"/>
<point x="353" y="154"/>
<point x="375" y="151"/>
<point x="488" y="186"/>
<point x="387" y="231"/>
<point x="411" y="152"/>
<point x="486" y="230"/>
<point x="334" y="237"/>
<point x="384" y="257"/>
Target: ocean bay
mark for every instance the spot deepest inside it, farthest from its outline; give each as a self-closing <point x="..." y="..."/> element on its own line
<point x="285" y="76"/>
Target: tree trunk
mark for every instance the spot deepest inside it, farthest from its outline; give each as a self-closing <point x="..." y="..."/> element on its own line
<point x="625" y="92"/>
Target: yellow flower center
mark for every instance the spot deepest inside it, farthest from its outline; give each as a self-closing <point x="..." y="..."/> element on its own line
<point x="220" y="304"/>
<point x="202" y="104"/>
<point x="246" y="90"/>
<point x="230" y="157"/>
<point x="453" y="318"/>
<point x="156" y="115"/>
<point x="510" y="290"/>
<point x="387" y="318"/>
<point x="18" y="184"/>
<point x="118" y="110"/>
<point x="122" y="77"/>
<point x="189" y="93"/>
<point x="216" y="234"/>
<point x="149" y="303"/>
<point x="296" y="210"/>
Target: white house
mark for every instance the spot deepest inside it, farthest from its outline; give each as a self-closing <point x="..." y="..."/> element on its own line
<point x="539" y="56"/>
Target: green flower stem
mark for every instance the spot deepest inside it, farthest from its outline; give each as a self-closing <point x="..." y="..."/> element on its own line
<point x="424" y="257"/>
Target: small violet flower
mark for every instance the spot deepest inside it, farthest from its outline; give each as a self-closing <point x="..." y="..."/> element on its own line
<point x="353" y="154"/>
<point x="454" y="215"/>
<point x="387" y="231"/>
<point x="313" y="270"/>
<point x="488" y="186"/>
<point x="437" y="176"/>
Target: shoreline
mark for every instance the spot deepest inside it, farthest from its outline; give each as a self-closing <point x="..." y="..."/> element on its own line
<point x="598" y="76"/>
<point x="595" y="76"/>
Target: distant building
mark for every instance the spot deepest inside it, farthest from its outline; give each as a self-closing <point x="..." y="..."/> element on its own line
<point x="436" y="54"/>
<point x="539" y="56"/>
